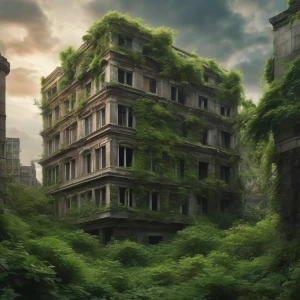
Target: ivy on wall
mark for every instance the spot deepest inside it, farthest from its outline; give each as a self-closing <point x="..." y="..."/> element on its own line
<point x="279" y="107"/>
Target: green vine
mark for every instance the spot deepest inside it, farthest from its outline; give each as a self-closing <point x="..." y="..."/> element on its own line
<point x="269" y="70"/>
<point x="279" y="106"/>
<point x="291" y="3"/>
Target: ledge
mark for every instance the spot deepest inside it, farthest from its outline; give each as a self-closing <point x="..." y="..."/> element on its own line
<point x="4" y="65"/>
<point x="282" y="17"/>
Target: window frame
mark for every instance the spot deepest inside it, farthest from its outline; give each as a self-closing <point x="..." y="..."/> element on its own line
<point x="151" y="200"/>
<point x="125" y="157"/>
<point x="100" y="157"/>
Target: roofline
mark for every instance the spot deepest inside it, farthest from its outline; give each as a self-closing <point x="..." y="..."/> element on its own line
<point x="283" y="16"/>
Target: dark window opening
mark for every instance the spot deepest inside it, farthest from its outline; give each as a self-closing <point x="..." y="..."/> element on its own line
<point x="107" y="234"/>
<point x="204" y="137"/>
<point x="226" y="138"/>
<point x="173" y="93"/>
<point x="185" y="208"/>
<point x="125" y="77"/>
<point x="126" y="197"/>
<point x="225" y="174"/>
<point x="224" y="205"/>
<point x="88" y="89"/>
<point x="225" y="111"/>
<point x="154" y="201"/>
<point x="203" y="102"/>
<point x="101" y="158"/>
<point x="154" y="240"/>
<point x="100" y="197"/>
<point x="87" y="161"/>
<point x="202" y="204"/>
<point x="125" y="41"/>
<point x="203" y="170"/>
<point x="150" y="85"/>
<point x="181" y="97"/>
<point x="146" y="51"/>
<point x="125" y="157"/>
<point x="297" y="129"/>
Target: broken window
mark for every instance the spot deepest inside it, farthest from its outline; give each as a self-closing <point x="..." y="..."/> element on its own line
<point x="125" y="116"/>
<point x="87" y="163"/>
<point x="203" y="170"/>
<point x="154" y="201"/>
<point x="100" y="158"/>
<point x="125" y="77"/>
<point x="202" y="204"/>
<point x="149" y="85"/>
<point x="203" y="102"/>
<point x="225" y="174"/>
<point x="225" y="139"/>
<point x="100" y="118"/>
<point x="225" y="111"/>
<point x="177" y="94"/>
<point x="88" y="123"/>
<point x="88" y="89"/>
<point x="126" y="197"/>
<point x="100" y="196"/>
<point x="125" y="157"/>
<point x="125" y="41"/>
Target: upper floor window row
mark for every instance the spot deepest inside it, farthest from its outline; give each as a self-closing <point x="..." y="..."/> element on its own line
<point x="51" y="91"/>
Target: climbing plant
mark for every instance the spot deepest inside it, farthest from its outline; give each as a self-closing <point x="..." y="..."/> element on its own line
<point x="269" y="70"/>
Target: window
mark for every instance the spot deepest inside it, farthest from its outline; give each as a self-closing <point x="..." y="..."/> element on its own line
<point x="185" y="208"/>
<point x="203" y="102"/>
<point x="88" y="89"/>
<point x="89" y="195"/>
<point x="125" y="157"/>
<point x="74" y="201"/>
<point x="179" y="168"/>
<point x="100" y="118"/>
<point x="56" y="113"/>
<point x="125" y="77"/>
<point x="125" y="116"/>
<point x="225" y="174"/>
<point x="56" y="174"/>
<point x="70" y="171"/>
<point x="68" y="203"/>
<point x="297" y="129"/>
<point x="67" y="106"/>
<point x="49" y="121"/>
<point x="87" y="163"/>
<point x="225" y="111"/>
<point x="202" y="204"/>
<point x="204" y="137"/>
<point x="101" y="81"/>
<point x="100" y="196"/>
<point x="51" y="91"/>
<point x="225" y="139"/>
<point x="56" y="142"/>
<point x="126" y="197"/>
<point x="154" y="201"/>
<point x="151" y="162"/>
<point x="203" y="170"/>
<point x="149" y="85"/>
<point x="125" y="41"/>
<point x="206" y="78"/>
<point x="146" y="51"/>
<point x="50" y="149"/>
<point x="88" y="123"/>
<point x="72" y="101"/>
<point x="224" y="205"/>
<point x="71" y="134"/>
<point x="177" y="95"/>
<point x="2" y="149"/>
<point x="100" y="158"/>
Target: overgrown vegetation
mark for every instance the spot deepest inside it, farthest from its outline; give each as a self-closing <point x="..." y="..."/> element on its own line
<point x="279" y="107"/>
<point x="291" y="3"/>
<point x="44" y="258"/>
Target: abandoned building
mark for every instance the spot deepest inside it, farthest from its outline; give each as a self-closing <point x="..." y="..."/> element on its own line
<point x="4" y="70"/>
<point x="287" y="140"/>
<point x="90" y="140"/>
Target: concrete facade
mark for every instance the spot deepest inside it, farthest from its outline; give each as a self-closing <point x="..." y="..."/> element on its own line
<point x="13" y="159"/>
<point x="4" y="71"/>
<point x="81" y="159"/>
<point x="287" y="140"/>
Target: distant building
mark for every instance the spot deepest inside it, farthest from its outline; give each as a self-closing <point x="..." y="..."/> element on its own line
<point x="28" y="175"/>
<point x="13" y="159"/>
<point x="4" y="70"/>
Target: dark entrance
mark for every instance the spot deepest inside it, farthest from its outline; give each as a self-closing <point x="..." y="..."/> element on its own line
<point x="154" y="240"/>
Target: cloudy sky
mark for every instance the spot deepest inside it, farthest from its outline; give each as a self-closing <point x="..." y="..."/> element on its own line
<point x="33" y="32"/>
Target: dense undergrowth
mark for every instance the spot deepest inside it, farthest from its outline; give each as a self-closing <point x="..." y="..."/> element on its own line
<point x="43" y="258"/>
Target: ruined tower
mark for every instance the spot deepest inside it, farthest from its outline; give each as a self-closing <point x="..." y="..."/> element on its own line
<point x="4" y="70"/>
